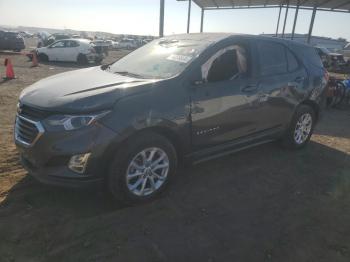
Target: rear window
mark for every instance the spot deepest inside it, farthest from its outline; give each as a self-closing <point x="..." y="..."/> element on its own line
<point x="272" y="58"/>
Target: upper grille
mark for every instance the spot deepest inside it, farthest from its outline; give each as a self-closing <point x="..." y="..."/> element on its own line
<point x="33" y="113"/>
<point x="27" y="132"/>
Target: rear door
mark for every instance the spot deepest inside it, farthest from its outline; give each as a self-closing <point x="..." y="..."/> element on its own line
<point x="281" y="78"/>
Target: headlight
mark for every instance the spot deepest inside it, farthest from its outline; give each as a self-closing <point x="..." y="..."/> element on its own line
<point x="72" y="122"/>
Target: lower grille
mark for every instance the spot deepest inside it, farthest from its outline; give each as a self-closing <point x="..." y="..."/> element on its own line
<point x="27" y="131"/>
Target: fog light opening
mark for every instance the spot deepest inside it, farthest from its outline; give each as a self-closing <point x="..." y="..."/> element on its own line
<point x="78" y="163"/>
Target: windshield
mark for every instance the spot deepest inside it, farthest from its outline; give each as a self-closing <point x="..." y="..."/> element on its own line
<point x="159" y="59"/>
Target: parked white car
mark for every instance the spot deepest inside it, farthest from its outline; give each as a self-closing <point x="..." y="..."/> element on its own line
<point x="70" y="50"/>
<point x="127" y="44"/>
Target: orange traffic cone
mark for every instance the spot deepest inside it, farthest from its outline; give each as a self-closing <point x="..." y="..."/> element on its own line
<point x="34" y="60"/>
<point x="9" y="69"/>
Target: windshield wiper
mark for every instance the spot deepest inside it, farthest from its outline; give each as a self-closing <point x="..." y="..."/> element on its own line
<point x="126" y="73"/>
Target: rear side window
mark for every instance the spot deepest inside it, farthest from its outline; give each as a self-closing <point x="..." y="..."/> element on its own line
<point x="292" y="61"/>
<point x="272" y="58"/>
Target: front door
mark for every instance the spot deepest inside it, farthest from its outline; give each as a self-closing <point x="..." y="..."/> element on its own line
<point x="226" y="105"/>
<point x="56" y="50"/>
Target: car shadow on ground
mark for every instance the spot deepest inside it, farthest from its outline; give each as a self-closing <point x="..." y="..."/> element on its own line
<point x="335" y="123"/>
<point x="262" y="204"/>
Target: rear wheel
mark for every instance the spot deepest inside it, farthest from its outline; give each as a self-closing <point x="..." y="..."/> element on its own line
<point x="82" y="60"/>
<point x="142" y="171"/>
<point x="301" y="128"/>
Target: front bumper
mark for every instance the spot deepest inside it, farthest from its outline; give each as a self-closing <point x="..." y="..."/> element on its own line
<point x="60" y="176"/>
<point x="47" y="160"/>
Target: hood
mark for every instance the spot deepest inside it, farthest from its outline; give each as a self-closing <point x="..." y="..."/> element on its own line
<point x="84" y="90"/>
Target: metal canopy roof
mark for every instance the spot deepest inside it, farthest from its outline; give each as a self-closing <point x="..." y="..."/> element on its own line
<point x="314" y="5"/>
<point x="322" y="5"/>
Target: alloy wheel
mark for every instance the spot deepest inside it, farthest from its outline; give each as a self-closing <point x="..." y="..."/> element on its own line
<point x="303" y="128"/>
<point x="147" y="171"/>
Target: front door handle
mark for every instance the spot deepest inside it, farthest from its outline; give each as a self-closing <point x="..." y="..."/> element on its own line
<point x="298" y="80"/>
<point x="249" y="88"/>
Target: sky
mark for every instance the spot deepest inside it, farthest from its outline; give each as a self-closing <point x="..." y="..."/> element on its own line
<point x="142" y="17"/>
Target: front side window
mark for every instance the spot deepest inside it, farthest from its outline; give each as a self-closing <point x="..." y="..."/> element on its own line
<point x="272" y="58"/>
<point x="59" y="44"/>
<point x="226" y="64"/>
<point x="72" y="44"/>
<point x="162" y="58"/>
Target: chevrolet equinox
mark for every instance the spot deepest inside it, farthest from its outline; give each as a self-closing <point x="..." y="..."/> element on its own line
<point x="188" y="97"/>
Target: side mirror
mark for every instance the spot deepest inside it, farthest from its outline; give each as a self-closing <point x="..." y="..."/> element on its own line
<point x="196" y="79"/>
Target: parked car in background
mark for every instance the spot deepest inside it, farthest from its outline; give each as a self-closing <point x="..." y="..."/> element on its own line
<point x="11" y="41"/>
<point x="25" y="34"/>
<point x="81" y="51"/>
<point x="115" y="45"/>
<point x="189" y="97"/>
<point x="48" y="40"/>
<point x="127" y="44"/>
<point x="329" y="59"/>
<point x="346" y="51"/>
<point x="102" y="46"/>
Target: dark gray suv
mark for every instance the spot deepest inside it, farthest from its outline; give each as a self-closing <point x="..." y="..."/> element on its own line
<point x="180" y="98"/>
<point x="11" y="41"/>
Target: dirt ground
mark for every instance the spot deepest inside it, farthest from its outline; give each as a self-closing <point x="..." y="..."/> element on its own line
<point x="262" y="204"/>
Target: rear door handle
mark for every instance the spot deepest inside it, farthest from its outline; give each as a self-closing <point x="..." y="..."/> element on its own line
<point x="249" y="88"/>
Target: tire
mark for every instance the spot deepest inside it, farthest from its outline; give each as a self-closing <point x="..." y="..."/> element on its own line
<point x="339" y="93"/>
<point x="43" y="57"/>
<point x="292" y="139"/>
<point x="82" y="60"/>
<point x="129" y="162"/>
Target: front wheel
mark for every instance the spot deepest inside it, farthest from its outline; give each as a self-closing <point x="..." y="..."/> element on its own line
<point x="82" y="59"/>
<point x="301" y="128"/>
<point x="43" y="57"/>
<point x="142" y="168"/>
